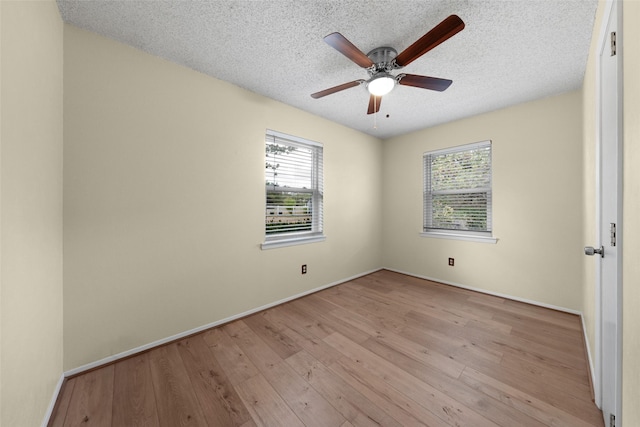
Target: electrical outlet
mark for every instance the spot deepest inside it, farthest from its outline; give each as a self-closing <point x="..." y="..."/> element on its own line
<point x="451" y="262"/>
<point x="304" y="269"/>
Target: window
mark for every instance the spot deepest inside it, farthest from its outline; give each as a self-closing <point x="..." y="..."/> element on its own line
<point x="293" y="188"/>
<point x="457" y="192"/>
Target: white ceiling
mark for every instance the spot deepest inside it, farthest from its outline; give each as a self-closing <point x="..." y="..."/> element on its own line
<point x="510" y="51"/>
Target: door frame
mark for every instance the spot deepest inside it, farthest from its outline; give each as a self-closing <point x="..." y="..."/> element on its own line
<point x="604" y="43"/>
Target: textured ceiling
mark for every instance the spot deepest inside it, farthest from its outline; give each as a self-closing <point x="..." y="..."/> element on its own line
<point x="509" y="52"/>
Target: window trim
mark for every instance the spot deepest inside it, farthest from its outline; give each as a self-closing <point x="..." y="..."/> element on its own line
<point x="291" y="241"/>
<point x="274" y="241"/>
<point x="474" y="236"/>
<point x="466" y="235"/>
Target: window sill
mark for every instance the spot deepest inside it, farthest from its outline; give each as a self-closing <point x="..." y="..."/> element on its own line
<point x="467" y="237"/>
<point x="281" y="243"/>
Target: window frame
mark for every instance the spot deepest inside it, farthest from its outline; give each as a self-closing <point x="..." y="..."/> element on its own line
<point x="316" y="234"/>
<point x="427" y="198"/>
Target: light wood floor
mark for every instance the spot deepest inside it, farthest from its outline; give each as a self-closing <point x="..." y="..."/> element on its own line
<point x="382" y="350"/>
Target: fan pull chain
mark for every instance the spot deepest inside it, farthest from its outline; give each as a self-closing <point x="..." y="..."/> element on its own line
<point x="375" y="113"/>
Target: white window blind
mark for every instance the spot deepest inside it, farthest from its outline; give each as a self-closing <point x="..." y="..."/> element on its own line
<point x="293" y="183"/>
<point x="457" y="189"/>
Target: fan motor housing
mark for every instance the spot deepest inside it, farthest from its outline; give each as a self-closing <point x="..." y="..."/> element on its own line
<point x="382" y="57"/>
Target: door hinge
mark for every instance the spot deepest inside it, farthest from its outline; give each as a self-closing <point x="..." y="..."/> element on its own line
<point x="613" y="43"/>
<point x="612" y="232"/>
<point x="612" y="420"/>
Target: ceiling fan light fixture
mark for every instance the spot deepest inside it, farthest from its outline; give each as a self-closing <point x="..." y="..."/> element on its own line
<point x="381" y="84"/>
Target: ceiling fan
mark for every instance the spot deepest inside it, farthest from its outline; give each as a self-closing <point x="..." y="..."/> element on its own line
<point x="382" y="60"/>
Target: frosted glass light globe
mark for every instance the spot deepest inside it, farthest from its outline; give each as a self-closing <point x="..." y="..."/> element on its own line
<point x="381" y="85"/>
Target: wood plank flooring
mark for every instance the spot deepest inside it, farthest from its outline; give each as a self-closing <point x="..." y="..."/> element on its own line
<point x="382" y="350"/>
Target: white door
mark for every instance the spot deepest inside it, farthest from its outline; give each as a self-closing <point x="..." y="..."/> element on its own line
<point x="609" y="271"/>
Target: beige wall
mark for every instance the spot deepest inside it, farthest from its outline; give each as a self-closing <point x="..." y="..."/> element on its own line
<point x="631" y="243"/>
<point x="164" y="200"/>
<point x="537" y="203"/>
<point x="31" y="209"/>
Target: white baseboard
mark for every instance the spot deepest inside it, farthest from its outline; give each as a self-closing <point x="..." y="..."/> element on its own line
<point x="145" y="347"/>
<point x="528" y="301"/>
<point x="525" y="300"/>
<point x="592" y="372"/>
<point x="136" y="350"/>
<point x="52" y="403"/>
<point x="484" y="291"/>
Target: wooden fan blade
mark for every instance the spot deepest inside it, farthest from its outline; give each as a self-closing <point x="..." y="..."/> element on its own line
<point x="374" y="104"/>
<point x="336" y="89"/>
<point x="345" y="47"/>
<point x="425" y="82"/>
<point x="440" y="33"/>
